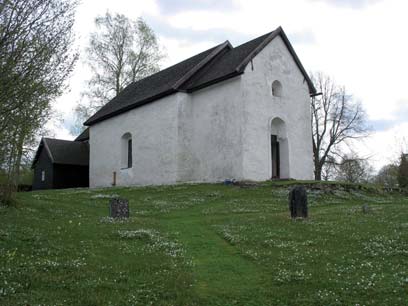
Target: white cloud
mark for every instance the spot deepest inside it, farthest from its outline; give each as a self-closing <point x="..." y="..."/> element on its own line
<point x="178" y="50"/>
<point x="360" y="43"/>
<point x="384" y="147"/>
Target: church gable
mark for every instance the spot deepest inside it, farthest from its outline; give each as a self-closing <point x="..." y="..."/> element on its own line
<point x="202" y="70"/>
<point x="270" y="42"/>
<point x="229" y="112"/>
<point x="277" y="108"/>
<point x="275" y="70"/>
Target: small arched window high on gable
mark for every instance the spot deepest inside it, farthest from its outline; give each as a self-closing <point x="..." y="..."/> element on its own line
<point x="126" y="151"/>
<point x="276" y="89"/>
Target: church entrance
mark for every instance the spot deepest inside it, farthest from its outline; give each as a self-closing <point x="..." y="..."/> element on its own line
<point x="275" y="157"/>
<point x="279" y="149"/>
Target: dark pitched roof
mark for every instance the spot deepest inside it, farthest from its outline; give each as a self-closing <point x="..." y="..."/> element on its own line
<point x="64" y="152"/>
<point x="83" y="136"/>
<point x="204" y="69"/>
<point x="150" y="88"/>
<point x="225" y="65"/>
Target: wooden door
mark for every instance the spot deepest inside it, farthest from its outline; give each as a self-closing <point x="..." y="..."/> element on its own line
<point x="275" y="157"/>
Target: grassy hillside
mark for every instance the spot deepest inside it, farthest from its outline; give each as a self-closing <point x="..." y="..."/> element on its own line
<point x="204" y="245"/>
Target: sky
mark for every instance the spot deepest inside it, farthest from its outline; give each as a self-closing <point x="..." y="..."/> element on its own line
<point x="361" y="44"/>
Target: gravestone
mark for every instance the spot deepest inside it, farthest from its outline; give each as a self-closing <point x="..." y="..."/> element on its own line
<point x="118" y="208"/>
<point x="298" y="202"/>
<point x="366" y="209"/>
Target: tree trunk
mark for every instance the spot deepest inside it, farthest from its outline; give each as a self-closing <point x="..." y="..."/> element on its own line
<point x="318" y="171"/>
<point x="17" y="163"/>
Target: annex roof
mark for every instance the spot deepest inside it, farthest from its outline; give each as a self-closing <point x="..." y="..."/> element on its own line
<point x="64" y="152"/>
<point x="204" y="69"/>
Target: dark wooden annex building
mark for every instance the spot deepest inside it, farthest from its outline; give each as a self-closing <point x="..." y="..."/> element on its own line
<point x="62" y="163"/>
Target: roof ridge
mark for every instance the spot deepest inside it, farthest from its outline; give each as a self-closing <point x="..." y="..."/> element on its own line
<point x="312" y="88"/>
<point x="214" y="65"/>
<point x="267" y="40"/>
<point x="201" y="64"/>
<point x="172" y="66"/>
<point x="49" y="138"/>
<point x="84" y="135"/>
<point x="270" y="36"/>
<point x="48" y="148"/>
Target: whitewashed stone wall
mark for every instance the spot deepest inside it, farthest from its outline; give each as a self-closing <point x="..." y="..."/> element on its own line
<point x="154" y="139"/>
<point x="210" y="134"/>
<point x="219" y="132"/>
<point x="275" y="62"/>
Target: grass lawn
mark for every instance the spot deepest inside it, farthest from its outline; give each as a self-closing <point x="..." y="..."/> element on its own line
<point x="204" y="245"/>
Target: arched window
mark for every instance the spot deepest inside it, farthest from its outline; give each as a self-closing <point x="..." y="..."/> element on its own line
<point x="126" y="151"/>
<point x="276" y="89"/>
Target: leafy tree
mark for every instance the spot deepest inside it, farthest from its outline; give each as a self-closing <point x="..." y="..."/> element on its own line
<point x="403" y="171"/>
<point x="36" y="58"/>
<point x="120" y="52"/>
<point x="387" y="176"/>
<point x="354" y="169"/>
<point x="336" y="119"/>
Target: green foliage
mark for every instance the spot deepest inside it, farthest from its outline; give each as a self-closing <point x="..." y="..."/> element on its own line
<point x="387" y="176"/>
<point x="26" y="176"/>
<point x="36" y="58"/>
<point x="8" y="190"/>
<point x="354" y="169"/>
<point x="120" y="51"/>
<point x="403" y="171"/>
<point x="7" y="194"/>
<point x="205" y="245"/>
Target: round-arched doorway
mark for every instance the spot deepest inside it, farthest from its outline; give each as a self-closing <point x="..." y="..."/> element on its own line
<point x="279" y="149"/>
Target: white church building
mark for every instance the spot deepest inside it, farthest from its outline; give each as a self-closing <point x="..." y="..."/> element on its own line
<point x="227" y="113"/>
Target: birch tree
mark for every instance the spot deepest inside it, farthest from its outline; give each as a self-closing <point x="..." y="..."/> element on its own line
<point x="120" y="51"/>
<point x="36" y="59"/>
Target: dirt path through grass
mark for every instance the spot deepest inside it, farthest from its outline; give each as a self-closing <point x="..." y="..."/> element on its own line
<point x="219" y="270"/>
<point x="60" y="248"/>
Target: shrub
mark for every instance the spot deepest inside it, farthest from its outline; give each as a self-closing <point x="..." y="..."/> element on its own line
<point x="403" y="171"/>
<point x="7" y="195"/>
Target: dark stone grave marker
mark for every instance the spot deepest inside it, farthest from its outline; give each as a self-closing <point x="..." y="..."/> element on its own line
<point x="366" y="209"/>
<point x="118" y="208"/>
<point x="298" y="202"/>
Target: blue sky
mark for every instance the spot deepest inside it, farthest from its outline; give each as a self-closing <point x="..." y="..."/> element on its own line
<point x="360" y="43"/>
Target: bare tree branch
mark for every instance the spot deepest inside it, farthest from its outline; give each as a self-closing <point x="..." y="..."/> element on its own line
<point x="336" y="118"/>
